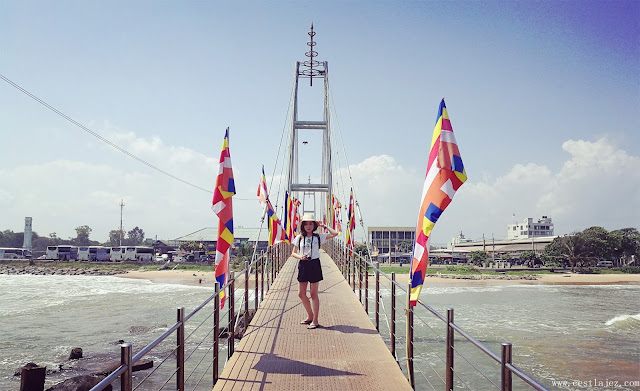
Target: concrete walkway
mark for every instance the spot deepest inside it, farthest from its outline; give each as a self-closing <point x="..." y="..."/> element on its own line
<point x="278" y="353"/>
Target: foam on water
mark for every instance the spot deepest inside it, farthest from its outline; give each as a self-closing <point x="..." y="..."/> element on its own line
<point x="625" y="321"/>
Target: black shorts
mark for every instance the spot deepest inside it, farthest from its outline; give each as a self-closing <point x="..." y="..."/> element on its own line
<point x="309" y="271"/>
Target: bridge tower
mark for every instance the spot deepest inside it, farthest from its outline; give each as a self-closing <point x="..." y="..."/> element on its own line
<point x="316" y="186"/>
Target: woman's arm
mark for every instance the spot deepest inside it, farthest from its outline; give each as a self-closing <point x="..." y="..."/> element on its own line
<point x="332" y="232"/>
<point x="294" y="251"/>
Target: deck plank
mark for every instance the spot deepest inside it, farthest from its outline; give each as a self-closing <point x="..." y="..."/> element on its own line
<point x="278" y="353"/>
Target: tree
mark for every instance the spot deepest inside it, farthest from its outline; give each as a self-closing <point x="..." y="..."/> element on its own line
<point x="627" y="243"/>
<point x="82" y="238"/>
<point x="360" y="249"/>
<point x="135" y="237"/>
<point x="530" y="258"/>
<point x="598" y="244"/>
<point x="477" y="257"/>
<point x="189" y="246"/>
<point x="9" y="238"/>
<point x="116" y="237"/>
<point x="405" y="246"/>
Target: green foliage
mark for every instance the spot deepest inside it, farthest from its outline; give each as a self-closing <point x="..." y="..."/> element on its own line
<point x="82" y="235"/>
<point x="629" y="269"/>
<point x="116" y="237"/>
<point x="360" y="249"/>
<point x="9" y="238"/>
<point x="135" y="237"/>
<point x="478" y="257"/>
<point x="461" y="270"/>
<point x="405" y="246"/>
<point x="189" y="246"/>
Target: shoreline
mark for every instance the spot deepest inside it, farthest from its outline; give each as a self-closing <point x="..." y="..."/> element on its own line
<point x="199" y="278"/>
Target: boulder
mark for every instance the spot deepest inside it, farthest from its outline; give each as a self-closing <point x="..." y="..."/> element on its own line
<point x="76" y="353"/>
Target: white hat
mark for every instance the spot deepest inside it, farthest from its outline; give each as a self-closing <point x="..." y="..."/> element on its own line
<point x="308" y="217"/>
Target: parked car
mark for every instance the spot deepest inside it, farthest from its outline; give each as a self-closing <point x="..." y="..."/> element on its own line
<point x="605" y="264"/>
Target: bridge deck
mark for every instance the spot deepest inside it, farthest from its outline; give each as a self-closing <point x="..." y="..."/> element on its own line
<point x="278" y="353"/>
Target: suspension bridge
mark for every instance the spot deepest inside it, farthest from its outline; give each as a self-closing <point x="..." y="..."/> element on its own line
<point x="367" y="335"/>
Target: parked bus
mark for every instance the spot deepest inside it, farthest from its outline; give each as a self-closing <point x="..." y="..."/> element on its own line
<point x="84" y="253"/>
<point x="103" y="254"/>
<point x="62" y="253"/>
<point x="117" y="254"/>
<point x="138" y="253"/>
<point x="14" y="253"/>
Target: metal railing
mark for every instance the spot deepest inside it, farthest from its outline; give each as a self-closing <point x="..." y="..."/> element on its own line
<point x="355" y="269"/>
<point x="188" y="350"/>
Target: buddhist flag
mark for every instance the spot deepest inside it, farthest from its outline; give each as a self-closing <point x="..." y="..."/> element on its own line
<point x="222" y="206"/>
<point x="276" y="232"/>
<point x="288" y="215"/>
<point x="263" y="196"/>
<point x="445" y="174"/>
<point x="351" y="222"/>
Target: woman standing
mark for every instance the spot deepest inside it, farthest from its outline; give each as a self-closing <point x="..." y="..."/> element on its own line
<point x="306" y="248"/>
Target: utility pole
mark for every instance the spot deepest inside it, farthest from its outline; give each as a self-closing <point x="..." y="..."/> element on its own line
<point x="121" y="232"/>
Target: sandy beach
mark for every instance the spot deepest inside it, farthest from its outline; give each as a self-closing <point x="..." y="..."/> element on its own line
<point x="189" y="277"/>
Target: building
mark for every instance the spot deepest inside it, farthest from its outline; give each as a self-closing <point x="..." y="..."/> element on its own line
<point x="386" y="240"/>
<point x="458" y="240"/>
<point x="209" y="236"/>
<point x="529" y="229"/>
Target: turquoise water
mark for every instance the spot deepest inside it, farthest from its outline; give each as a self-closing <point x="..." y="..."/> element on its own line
<point x="559" y="333"/>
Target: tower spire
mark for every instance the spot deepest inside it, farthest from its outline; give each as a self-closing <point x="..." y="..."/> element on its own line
<point x="313" y="67"/>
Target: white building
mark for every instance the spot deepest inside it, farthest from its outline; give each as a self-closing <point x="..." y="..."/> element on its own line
<point x="458" y="240"/>
<point x="530" y="229"/>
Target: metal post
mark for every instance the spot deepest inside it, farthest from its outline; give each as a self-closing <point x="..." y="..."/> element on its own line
<point x="359" y="279"/>
<point x="393" y="315"/>
<point x="255" y="292"/>
<point x="261" y="279"/>
<point x="180" y="351"/>
<point x="505" y="379"/>
<point x="366" y="285"/>
<point x="450" y="338"/>
<point x="231" y="335"/>
<point x="246" y="294"/>
<point x="378" y="296"/>
<point x="126" y="379"/>
<point x="410" y="372"/>
<point x="216" y="332"/>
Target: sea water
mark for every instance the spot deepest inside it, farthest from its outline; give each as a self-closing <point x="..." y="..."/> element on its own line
<point x="566" y="336"/>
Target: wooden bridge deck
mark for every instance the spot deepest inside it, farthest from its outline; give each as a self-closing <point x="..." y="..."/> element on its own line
<point x="278" y="353"/>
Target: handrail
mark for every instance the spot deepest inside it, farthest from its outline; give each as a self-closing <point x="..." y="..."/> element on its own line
<point x="355" y="259"/>
<point x="124" y="370"/>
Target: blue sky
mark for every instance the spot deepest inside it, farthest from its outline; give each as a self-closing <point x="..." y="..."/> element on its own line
<point x="543" y="98"/>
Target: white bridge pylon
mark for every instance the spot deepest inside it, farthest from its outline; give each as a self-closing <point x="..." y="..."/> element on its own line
<point x="303" y="190"/>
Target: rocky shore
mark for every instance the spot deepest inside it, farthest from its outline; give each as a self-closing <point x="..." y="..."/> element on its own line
<point x="62" y="271"/>
<point x="485" y="276"/>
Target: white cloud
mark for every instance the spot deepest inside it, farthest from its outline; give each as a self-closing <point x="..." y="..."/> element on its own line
<point x="598" y="185"/>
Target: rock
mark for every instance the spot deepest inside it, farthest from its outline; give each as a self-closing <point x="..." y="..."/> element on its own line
<point x="76" y="353"/>
<point x="79" y="383"/>
<point x="138" y="366"/>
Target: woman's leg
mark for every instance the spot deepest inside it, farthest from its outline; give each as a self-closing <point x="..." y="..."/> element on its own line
<point x="302" y="294"/>
<point x="313" y="289"/>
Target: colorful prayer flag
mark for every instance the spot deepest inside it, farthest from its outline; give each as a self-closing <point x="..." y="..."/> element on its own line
<point x="351" y="217"/>
<point x="276" y="232"/>
<point x="263" y="196"/>
<point x="223" y="207"/>
<point x="288" y="215"/>
<point x="445" y="174"/>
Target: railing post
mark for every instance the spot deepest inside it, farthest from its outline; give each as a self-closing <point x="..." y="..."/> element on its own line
<point x="366" y="285"/>
<point x="231" y="335"/>
<point x="180" y="351"/>
<point x="255" y="292"/>
<point x="450" y="339"/>
<point x="246" y="294"/>
<point x="378" y="296"/>
<point x="393" y="315"/>
<point x="126" y="379"/>
<point x="359" y="279"/>
<point x="409" y="310"/>
<point x="216" y="332"/>
<point x="262" y="263"/>
<point x="505" y="378"/>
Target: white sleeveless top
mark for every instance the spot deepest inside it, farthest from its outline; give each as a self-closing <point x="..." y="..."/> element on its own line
<point x="307" y="247"/>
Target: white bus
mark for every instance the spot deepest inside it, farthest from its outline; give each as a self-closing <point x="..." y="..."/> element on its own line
<point x="117" y="254"/>
<point x="14" y="253"/>
<point x="62" y="253"/>
<point x="138" y="253"/>
<point x="84" y="253"/>
<point x="94" y="253"/>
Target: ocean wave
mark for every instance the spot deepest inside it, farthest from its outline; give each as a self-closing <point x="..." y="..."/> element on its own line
<point x="625" y="321"/>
